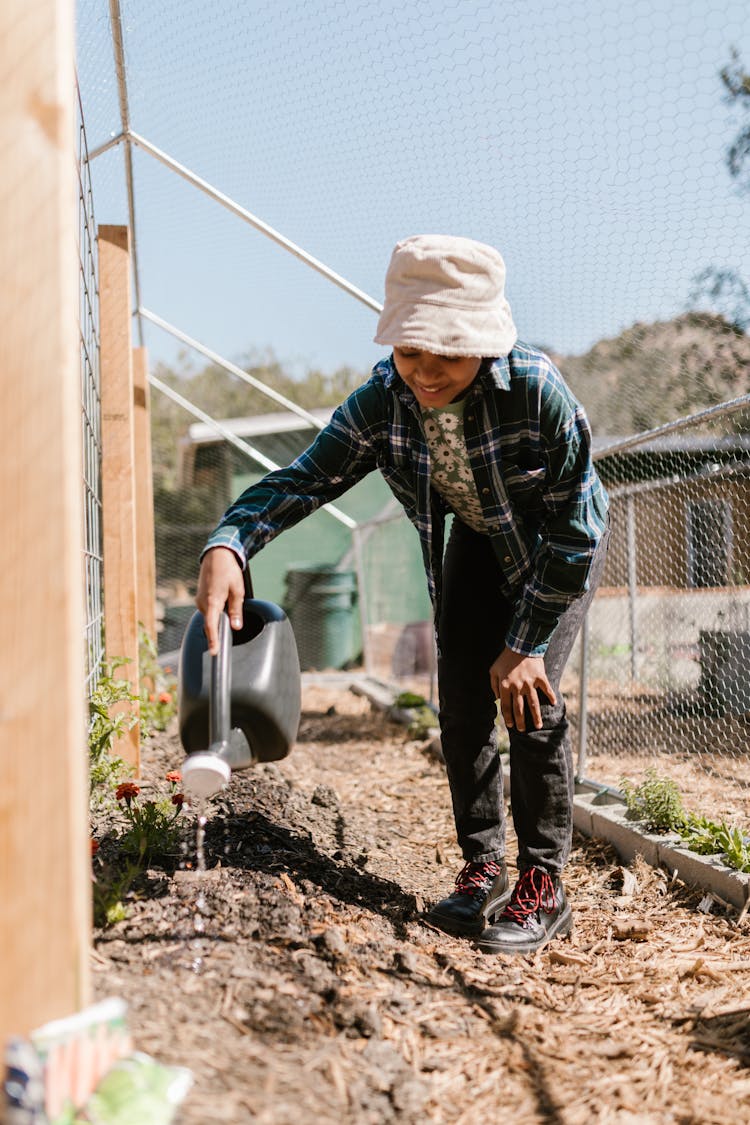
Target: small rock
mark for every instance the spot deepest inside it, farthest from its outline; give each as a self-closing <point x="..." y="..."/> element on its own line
<point x="331" y="942"/>
<point x="405" y="961"/>
<point x="325" y="796"/>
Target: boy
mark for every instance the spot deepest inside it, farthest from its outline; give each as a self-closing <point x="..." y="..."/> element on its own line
<point x="464" y="418"/>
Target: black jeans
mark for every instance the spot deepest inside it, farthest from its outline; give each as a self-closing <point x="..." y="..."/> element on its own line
<point x="473" y="622"/>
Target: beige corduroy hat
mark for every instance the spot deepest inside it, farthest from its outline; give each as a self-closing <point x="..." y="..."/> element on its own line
<point x="446" y="295"/>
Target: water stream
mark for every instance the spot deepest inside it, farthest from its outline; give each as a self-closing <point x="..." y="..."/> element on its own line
<point x="199" y="945"/>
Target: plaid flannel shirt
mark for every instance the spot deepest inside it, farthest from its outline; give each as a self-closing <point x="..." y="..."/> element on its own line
<point x="529" y="446"/>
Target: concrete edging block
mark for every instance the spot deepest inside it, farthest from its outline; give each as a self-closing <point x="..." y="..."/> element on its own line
<point x="707" y="871"/>
<point x="582" y="813"/>
<point x="609" y="822"/>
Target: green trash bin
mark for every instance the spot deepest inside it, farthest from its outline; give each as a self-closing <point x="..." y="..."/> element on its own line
<point x="320" y="602"/>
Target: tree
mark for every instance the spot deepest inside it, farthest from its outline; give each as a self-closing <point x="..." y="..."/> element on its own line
<point x="737" y="85"/>
<point x="222" y="395"/>
<point x="721" y="289"/>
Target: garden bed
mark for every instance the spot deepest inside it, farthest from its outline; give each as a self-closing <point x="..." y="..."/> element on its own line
<point x="317" y="991"/>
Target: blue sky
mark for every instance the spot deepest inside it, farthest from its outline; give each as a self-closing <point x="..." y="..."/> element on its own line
<point x="585" y="140"/>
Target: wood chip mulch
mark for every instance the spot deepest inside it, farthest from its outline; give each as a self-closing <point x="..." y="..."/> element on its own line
<point x="316" y="993"/>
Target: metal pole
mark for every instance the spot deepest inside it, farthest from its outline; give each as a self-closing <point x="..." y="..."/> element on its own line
<point x="287" y="403"/>
<point x="632" y="584"/>
<point x="583" y="692"/>
<point x="433" y="658"/>
<point x="363" y="614"/>
<point x="122" y="91"/>
<point x="721" y="410"/>
<point x="106" y="146"/>
<point x="238" y="443"/>
<point x="254" y="221"/>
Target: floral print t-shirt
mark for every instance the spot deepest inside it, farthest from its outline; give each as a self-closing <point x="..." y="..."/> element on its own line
<point x="450" y="471"/>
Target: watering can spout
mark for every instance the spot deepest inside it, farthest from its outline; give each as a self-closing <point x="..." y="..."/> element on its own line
<point x="205" y="775"/>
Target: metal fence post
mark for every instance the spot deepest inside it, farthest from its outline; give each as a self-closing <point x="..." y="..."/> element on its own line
<point x="583" y="691"/>
<point x="359" y="565"/>
<point x="632" y="584"/>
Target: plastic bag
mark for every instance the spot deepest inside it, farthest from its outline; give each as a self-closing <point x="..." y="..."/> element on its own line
<point x="136" y="1091"/>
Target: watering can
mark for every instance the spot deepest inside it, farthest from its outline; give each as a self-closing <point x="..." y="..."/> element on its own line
<point x="242" y="705"/>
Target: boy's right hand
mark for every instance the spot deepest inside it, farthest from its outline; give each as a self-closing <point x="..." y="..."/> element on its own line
<point x="220" y="584"/>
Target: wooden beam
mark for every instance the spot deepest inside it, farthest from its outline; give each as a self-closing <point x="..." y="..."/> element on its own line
<point x="144" y="495"/>
<point x="118" y="474"/>
<point x="45" y="874"/>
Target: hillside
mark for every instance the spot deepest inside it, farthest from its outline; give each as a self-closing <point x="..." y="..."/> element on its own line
<point x="653" y="373"/>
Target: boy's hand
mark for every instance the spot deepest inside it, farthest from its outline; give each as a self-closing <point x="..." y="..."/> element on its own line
<point x="517" y="680"/>
<point x="220" y="584"/>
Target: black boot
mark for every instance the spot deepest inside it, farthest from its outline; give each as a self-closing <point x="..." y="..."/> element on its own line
<point x="481" y="890"/>
<point x="537" y="912"/>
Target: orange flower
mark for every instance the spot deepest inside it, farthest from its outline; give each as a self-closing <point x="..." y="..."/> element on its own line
<point x="174" y="775"/>
<point x="168" y="670"/>
<point x="165" y="697"/>
<point x="94" y="847"/>
<point x="126" y="791"/>
<point x="178" y="799"/>
<point x="152" y="697"/>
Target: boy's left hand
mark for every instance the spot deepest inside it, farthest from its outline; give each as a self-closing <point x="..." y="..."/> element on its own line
<point x="516" y="680"/>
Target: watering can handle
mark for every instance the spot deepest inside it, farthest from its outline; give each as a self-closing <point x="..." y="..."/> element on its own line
<point x="248" y="583"/>
<point x="219" y="710"/>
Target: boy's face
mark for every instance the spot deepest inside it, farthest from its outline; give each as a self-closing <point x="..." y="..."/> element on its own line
<point x="435" y="380"/>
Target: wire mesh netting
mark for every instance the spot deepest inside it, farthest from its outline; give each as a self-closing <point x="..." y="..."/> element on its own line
<point x="90" y="412"/>
<point x="603" y="150"/>
<point x="669" y="633"/>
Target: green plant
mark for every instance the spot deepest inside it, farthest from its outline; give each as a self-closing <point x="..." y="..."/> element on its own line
<point x="107" y="722"/>
<point x="706" y="837"/>
<point x="151" y="825"/>
<point x="656" y="801"/>
<point x="158" y="691"/>
<point x="111" y="885"/>
<point x="150" y="835"/>
<point x="422" y="722"/>
<point x="409" y="699"/>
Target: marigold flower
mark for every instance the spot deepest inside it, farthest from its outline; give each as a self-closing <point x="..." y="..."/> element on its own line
<point x="174" y="775"/>
<point x="94" y="847"/>
<point x="165" y="697"/>
<point x="178" y="799"/>
<point x="152" y="697"/>
<point x="126" y="791"/>
<point x="168" y="670"/>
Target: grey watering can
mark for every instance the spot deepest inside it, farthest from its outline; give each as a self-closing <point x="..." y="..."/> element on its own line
<point x="241" y="706"/>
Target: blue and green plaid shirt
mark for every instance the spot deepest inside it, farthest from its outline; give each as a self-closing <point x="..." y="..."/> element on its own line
<point x="529" y="446"/>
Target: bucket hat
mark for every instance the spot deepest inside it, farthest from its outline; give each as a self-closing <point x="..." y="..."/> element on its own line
<point x="445" y="294"/>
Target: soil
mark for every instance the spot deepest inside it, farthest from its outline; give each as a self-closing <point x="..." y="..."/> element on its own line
<point x="316" y="991"/>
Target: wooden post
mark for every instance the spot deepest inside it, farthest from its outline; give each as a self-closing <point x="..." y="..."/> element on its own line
<point x="45" y="875"/>
<point x="118" y="475"/>
<point x="144" y="495"/>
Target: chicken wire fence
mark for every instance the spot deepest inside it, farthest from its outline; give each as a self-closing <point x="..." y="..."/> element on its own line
<point x="599" y="147"/>
<point x="662" y="673"/>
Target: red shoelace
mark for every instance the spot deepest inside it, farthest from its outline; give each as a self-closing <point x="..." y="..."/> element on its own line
<point x="474" y="877"/>
<point x="533" y="891"/>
